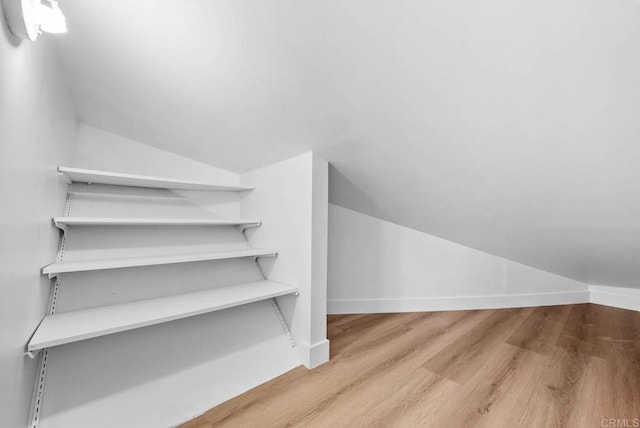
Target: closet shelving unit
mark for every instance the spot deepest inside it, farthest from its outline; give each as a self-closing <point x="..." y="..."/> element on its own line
<point x="68" y="327"/>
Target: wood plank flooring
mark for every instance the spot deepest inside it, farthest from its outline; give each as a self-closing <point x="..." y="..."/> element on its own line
<point x="555" y="366"/>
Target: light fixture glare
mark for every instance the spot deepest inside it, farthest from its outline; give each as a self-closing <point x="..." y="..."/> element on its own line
<point x="28" y="18"/>
<point x="52" y="19"/>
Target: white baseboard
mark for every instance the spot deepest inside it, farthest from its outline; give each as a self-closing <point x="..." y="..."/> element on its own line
<point x="313" y="355"/>
<point x="364" y="306"/>
<point x="618" y="297"/>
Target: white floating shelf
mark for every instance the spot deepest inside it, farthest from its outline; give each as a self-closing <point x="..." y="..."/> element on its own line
<point x="74" y="326"/>
<point x="90" y="176"/>
<point x="64" y="222"/>
<point x="88" y="265"/>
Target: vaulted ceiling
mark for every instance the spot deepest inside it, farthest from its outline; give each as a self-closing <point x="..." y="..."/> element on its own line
<point x="511" y="126"/>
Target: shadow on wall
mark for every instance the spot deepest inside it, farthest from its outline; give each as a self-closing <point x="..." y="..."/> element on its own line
<point x="182" y="352"/>
<point x="13" y="40"/>
<point x="345" y="193"/>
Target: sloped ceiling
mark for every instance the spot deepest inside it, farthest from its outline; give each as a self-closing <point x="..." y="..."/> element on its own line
<point x="509" y="126"/>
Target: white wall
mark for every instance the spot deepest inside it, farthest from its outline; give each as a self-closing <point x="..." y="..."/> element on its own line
<point x="378" y="266"/>
<point x="291" y="198"/>
<point x="508" y="126"/>
<point x="618" y="297"/>
<point x="102" y="150"/>
<point x="99" y="149"/>
<point x="37" y="122"/>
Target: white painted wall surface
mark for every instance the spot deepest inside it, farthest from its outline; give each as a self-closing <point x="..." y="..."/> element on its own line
<point x="507" y="126"/>
<point x="319" y="345"/>
<point x="99" y="149"/>
<point x="102" y="150"/>
<point x="37" y="124"/>
<point x="291" y="197"/>
<point x="618" y="297"/>
<point x="378" y="266"/>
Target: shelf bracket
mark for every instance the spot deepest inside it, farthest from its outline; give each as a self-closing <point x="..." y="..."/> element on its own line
<point x="50" y="275"/>
<point x="283" y="322"/>
<point x="244" y="226"/>
<point x="276" y="308"/>
<point x="32" y="354"/>
<point x="62" y="227"/>
<point x="63" y="176"/>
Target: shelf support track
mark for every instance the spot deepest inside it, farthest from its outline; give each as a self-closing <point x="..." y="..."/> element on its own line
<point x="276" y="309"/>
<point x="38" y="390"/>
<point x="283" y="323"/>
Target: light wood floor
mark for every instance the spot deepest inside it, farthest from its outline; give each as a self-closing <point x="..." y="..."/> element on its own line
<point x="559" y="366"/>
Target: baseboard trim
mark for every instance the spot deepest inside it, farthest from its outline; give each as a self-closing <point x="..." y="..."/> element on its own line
<point x="365" y="306"/>
<point x="313" y="355"/>
<point x="617" y="297"/>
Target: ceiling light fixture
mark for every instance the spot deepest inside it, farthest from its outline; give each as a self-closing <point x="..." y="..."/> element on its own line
<point x="29" y="18"/>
